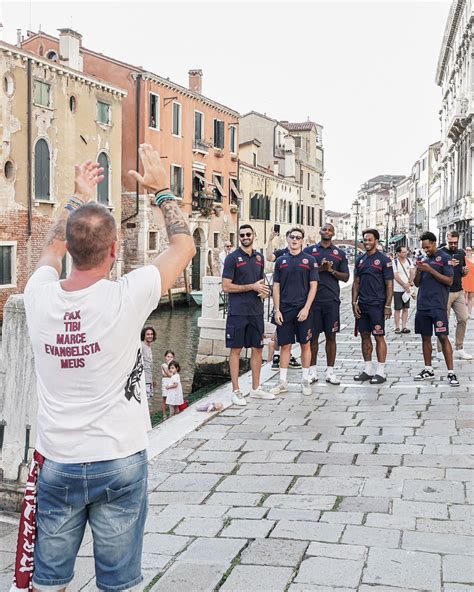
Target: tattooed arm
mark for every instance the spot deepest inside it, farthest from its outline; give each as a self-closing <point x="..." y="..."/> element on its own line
<point x="86" y="178"/>
<point x="172" y="261"/>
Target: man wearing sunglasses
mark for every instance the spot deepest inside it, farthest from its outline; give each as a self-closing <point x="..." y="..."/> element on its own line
<point x="333" y="268"/>
<point x="272" y="255"/>
<point x="295" y="281"/>
<point x="243" y="280"/>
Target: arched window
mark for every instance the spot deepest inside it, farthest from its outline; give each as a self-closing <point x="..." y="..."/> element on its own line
<point x="103" y="188"/>
<point x="42" y="170"/>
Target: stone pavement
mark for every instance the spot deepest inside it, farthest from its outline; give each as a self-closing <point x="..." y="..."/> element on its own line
<point x="356" y="487"/>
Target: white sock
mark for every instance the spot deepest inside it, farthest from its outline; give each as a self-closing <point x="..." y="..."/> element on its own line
<point x="313" y="370"/>
<point x="368" y="368"/>
<point x="381" y="369"/>
<point x="429" y="368"/>
<point x="305" y="373"/>
<point x="329" y="370"/>
<point x="283" y="374"/>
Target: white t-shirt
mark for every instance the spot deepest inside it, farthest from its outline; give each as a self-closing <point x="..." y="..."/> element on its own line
<point x="90" y="382"/>
<point x="403" y="271"/>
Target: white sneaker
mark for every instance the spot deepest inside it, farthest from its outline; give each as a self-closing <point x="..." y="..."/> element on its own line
<point x="313" y="378"/>
<point x="238" y="398"/>
<point x="259" y="393"/>
<point x="306" y="387"/>
<point x="282" y="387"/>
<point x="332" y="379"/>
<point x="462" y="355"/>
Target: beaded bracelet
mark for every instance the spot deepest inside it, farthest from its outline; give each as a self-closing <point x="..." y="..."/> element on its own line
<point x="73" y="203"/>
<point x="164" y="197"/>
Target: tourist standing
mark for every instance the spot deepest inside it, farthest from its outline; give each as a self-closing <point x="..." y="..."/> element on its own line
<point x="404" y="272"/>
<point x="333" y="268"/>
<point x="468" y="281"/>
<point x="457" y="298"/>
<point x="148" y="336"/>
<point x="223" y="254"/>
<point x="371" y="302"/>
<point x="434" y="276"/>
<point x="295" y="281"/>
<point x="243" y="279"/>
<point x="91" y="397"/>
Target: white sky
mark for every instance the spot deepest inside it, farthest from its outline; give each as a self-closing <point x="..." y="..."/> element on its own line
<point x="364" y="70"/>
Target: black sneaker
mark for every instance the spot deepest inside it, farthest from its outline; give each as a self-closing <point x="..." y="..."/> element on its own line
<point x="294" y="363"/>
<point x="362" y="377"/>
<point x="425" y="375"/>
<point x="276" y="361"/>
<point x="453" y="379"/>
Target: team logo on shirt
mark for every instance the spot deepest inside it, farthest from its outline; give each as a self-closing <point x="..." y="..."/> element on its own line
<point x="305" y="261"/>
<point x="239" y="259"/>
<point x="438" y="258"/>
<point x="284" y="261"/>
<point x="377" y="262"/>
<point x="335" y="252"/>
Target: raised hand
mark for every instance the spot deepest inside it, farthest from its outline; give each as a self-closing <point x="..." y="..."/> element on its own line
<point x="154" y="176"/>
<point x="86" y="178"/>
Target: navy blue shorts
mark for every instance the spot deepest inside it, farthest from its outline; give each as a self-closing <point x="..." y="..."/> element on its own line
<point x="372" y="319"/>
<point x="426" y="320"/>
<point x="326" y="318"/>
<point x="292" y="330"/>
<point x="244" y="331"/>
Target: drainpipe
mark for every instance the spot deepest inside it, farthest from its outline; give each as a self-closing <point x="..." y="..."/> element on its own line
<point x="137" y="139"/>
<point x="29" y="171"/>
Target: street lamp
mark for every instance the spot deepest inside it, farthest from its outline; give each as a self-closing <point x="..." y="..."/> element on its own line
<point x="356" y="204"/>
<point x="387" y="218"/>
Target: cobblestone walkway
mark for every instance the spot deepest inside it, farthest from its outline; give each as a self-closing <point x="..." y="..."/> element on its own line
<point x="353" y="488"/>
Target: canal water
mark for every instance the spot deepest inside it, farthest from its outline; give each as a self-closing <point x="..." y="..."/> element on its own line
<point x="176" y="330"/>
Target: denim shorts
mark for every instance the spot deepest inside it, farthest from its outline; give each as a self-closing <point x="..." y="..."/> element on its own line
<point x="112" y="496"/>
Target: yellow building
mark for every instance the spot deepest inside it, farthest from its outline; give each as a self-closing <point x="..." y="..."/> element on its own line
<point x="52" y="117"/>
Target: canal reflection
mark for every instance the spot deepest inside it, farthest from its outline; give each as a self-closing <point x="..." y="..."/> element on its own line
<point x="176" y="330"/>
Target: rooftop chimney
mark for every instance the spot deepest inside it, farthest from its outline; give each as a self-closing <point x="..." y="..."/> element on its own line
<point x="195" y="80"/>
<point x="70" y="49"/>
<point x="18" y="38"/>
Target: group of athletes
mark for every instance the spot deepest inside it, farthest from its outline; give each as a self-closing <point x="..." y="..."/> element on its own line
<point x="306" y="303"/>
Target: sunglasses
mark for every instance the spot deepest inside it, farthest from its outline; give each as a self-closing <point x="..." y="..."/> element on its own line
<point x="295" y="237"/>
<point x="245" y="234"/>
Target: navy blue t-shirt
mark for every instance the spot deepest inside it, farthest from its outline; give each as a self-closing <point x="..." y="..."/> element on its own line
<point x="373" y="271"/>
<point x="244" y="269"/>
<point x="294" y="273"/>
<point x="432" y="294"/>
<point x="328" y="287"/>
<point x="280" y="252"/>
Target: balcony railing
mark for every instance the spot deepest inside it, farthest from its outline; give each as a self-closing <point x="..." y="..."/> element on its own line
<point x="202" y="201"/>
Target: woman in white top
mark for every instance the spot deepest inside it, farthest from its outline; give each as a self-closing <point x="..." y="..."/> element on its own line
<point x="174" y="389"/>
<point x="404" y="272"/>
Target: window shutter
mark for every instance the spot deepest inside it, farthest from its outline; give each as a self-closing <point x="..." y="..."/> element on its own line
<point x="221" y="134"/>
<point x="42" y="173"/>
<point x="5" y="265"/>
<point x="103" y="188"/>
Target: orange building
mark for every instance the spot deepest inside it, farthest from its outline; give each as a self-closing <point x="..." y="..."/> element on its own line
<point x="196" y="137"/>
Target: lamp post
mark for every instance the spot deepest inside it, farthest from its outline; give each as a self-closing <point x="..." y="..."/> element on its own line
<point x="355" y="205"/>
<point x="387" y="218"/>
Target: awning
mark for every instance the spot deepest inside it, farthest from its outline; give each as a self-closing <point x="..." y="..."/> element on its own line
<point x="200" y="175"/>
<point x="220" y="189"/>
<point x="396" y="238"/>
<point x="235" y="189"/>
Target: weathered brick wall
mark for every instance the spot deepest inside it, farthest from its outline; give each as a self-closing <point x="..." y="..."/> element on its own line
<point x="14" y="227"/>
